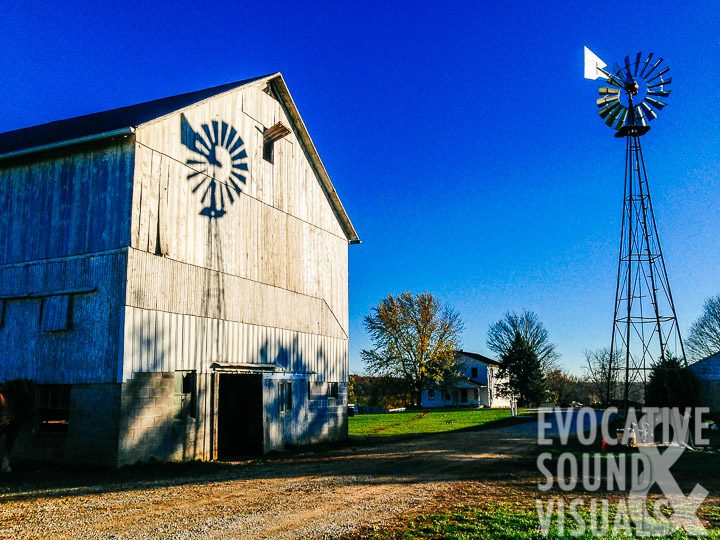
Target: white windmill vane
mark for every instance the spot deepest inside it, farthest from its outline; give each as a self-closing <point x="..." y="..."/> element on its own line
<point x="593" y="65"/>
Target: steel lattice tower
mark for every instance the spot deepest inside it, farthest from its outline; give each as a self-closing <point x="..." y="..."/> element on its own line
<point x="645" y="327"/>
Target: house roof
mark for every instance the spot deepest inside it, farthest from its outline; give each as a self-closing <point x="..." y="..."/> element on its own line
<point x="707" y="369"/>
<point x="477" y="356"/>
<point x="108" y="123"/>
<point x="468" y="383"/>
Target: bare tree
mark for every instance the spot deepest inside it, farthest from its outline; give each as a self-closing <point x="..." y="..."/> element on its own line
<point x="502" y="334"/>
<point x="597" y="364"/>
<point x="414" y="337"/>
<point x="704" y="338"/>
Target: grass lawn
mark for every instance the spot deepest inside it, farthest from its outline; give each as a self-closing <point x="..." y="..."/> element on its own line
<point x="508" y="510"/>
<point x="510" y="520"/>
<point x="416" y="422"/>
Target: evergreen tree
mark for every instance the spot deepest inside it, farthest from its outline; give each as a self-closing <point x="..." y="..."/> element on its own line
<point x="522" y="368"/>
<point x="671" y="384"/>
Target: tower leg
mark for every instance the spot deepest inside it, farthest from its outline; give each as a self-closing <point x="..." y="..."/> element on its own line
<point x="645" y="328"/>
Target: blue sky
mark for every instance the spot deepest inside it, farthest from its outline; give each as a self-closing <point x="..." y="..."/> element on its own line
<point x="461" y="136"/>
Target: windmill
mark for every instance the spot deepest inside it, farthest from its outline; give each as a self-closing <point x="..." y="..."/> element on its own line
<point x="645" y="327"/>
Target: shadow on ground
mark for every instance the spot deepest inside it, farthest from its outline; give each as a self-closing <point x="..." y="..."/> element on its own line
<point x="475" y="453"/>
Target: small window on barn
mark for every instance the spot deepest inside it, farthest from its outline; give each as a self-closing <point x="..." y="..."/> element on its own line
<point x="53" y="407"/>
<point x="55" y="313"/>
<point x="269" y="151"/>
<point x="2" y="312"/>
<point x="270" y="135"/>
<point x="431" y="395"/>
<point x="286" y="400"/>
<point x="474" y="373"/>
<point x="334" y="390"/>
<point x="186" y="393"/>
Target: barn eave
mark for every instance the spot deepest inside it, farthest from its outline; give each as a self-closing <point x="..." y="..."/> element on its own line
<point x="115" y="133"/>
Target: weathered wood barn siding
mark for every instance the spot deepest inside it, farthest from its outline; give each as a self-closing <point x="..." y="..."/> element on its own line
<point x="65" y="222"/>
<point x="266" y="283"/>
<point x="166" y="301"/>
<point x="65" y="232"/>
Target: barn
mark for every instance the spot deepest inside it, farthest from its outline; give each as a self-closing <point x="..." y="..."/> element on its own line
<point x="174" y="280"/>
<point x="707" y="373"/>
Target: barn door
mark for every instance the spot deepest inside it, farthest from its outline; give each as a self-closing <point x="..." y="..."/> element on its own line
<point x="240" y="416"/>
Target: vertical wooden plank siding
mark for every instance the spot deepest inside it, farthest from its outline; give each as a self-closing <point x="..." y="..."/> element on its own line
<point x="265" y="282"/>
<point x="64" y="227"/>
<point x="69" y="194"/>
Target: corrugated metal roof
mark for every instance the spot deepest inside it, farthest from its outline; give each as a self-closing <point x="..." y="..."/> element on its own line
<point x="101" y="122"/>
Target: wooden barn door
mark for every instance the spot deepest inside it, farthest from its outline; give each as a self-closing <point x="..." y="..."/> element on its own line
<point x="240" y="416"/>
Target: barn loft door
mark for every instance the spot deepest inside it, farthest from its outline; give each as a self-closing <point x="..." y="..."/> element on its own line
<point x="240" y="416"/>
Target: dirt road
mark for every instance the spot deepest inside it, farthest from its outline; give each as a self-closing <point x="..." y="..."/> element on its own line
<point x="320" y="494"/>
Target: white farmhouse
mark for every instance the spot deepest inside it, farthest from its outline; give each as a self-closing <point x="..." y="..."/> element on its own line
<point x="477" y="386"/>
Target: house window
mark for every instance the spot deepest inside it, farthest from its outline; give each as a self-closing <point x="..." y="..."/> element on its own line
<point x="55" y="313"/>
<point x="53" y="407"/>
<point x="431" y="395"/>
<point x="474" y="373"/>
<point x="446" y="395"/>
<point x="464" y="395"/>
<point x="2" y="312"/>
<point x="186" y="393"/>
<point x="286" y="400"/>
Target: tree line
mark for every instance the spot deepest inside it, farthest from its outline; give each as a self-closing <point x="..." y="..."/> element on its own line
<point x="414" y="338"/>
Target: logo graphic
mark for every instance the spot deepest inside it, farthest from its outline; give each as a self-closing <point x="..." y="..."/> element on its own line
<point x="634" y="459"/>
<point x="220" y="167"/>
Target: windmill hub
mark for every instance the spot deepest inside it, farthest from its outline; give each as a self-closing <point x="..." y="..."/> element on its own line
<point x="634" y="92"/>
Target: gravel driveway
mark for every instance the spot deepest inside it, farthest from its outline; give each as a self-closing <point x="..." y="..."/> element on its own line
<point x="319" y="494"/>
